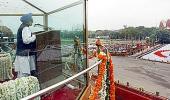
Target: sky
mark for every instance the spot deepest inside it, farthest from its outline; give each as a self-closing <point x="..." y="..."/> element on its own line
<point x="102" y="14"/>
<point x="114" y="14"/>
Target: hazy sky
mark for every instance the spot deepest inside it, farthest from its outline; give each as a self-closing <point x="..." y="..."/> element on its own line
<point x="113" y="14"/>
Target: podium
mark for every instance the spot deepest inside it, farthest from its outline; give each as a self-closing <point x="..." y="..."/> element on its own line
<point x="48" y="57"/>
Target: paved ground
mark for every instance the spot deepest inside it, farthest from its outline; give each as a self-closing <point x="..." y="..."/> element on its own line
<point x="152" y="76"/>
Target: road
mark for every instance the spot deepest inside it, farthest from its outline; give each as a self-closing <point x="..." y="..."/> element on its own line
<point x="152" y="76"/>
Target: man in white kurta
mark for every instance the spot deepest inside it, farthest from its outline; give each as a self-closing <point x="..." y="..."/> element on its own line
<point x="25" y="61"/>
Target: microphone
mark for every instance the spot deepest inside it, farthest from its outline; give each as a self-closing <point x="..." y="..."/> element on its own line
<point x="43" y="26"/>
<point x="37" y="25"/>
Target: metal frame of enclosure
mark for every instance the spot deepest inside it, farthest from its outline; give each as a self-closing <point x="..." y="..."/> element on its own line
<point x="45" y="14"/>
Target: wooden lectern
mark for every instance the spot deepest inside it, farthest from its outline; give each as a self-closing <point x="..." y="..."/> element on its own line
<point x="48" y="57"/>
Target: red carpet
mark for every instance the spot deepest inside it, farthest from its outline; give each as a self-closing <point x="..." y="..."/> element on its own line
<point x="64" y="93"/>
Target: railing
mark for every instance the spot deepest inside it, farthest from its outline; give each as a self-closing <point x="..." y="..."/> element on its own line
<point x="55" y="86"/>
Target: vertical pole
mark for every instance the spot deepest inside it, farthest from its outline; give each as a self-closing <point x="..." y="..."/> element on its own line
<point x="45" y="21"/>
<point x="85" y="39"/>
<point x="1" y="37"/>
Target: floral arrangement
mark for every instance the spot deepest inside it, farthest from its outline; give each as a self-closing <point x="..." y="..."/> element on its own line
<point x="5" y="66"/>
<point x="19" y="88"/>
<point x="105" y="79"/>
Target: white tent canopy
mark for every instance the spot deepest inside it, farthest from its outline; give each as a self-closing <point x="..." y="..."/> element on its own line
<point x="37" y="7"/>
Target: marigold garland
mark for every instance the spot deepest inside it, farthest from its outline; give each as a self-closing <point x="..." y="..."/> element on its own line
<point x="102" y="69"/>
<point x="111" y="78"/>
<point x="98" y="83"/>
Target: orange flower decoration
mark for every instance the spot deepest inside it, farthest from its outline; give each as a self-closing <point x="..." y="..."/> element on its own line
<point x="102" y="69"/>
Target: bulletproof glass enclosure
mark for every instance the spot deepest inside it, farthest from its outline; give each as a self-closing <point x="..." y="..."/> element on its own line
<point x="60" y="27"/>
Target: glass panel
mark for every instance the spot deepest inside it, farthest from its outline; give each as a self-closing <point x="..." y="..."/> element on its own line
<point x="54" y="4"/>
<point x="59" y="52"/>
<point x="65" y="43"/>
<point x="16" y="7"/>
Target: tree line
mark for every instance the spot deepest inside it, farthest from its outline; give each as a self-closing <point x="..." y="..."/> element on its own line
<point x="154" y="34"/>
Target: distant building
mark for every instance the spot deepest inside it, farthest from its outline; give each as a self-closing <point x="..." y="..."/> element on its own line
<point x="162" y="24"/>
<point x="168" y="24"/>
<point x="165" y="24"/>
